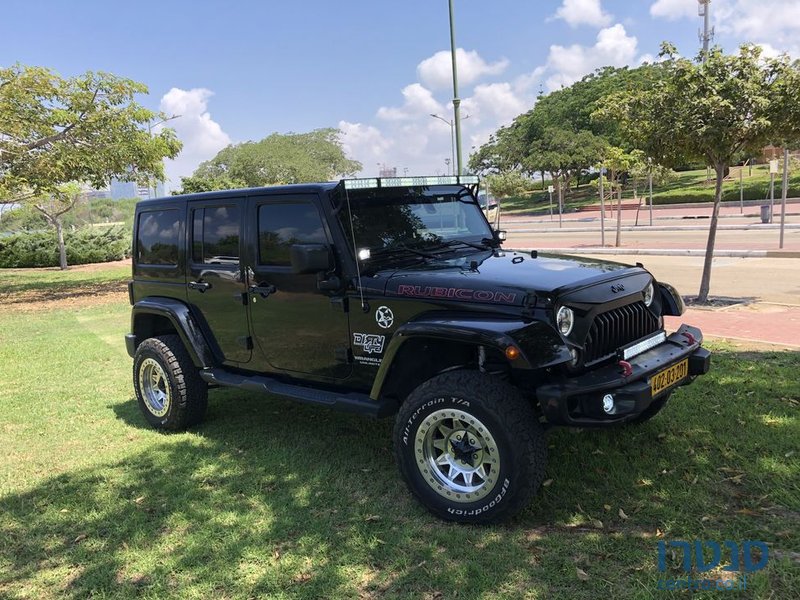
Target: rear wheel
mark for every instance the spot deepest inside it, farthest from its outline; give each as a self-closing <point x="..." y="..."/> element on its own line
<point x="168" y="386"/>
<point x="470" y="447"/>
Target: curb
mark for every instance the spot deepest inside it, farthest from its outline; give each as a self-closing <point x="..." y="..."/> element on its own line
<point x="751" y="227"/>
<point x="668" y="252"/>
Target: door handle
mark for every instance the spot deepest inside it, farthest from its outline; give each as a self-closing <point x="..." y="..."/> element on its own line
<point x="200" y="286"/>
<point x="264" y="290"/>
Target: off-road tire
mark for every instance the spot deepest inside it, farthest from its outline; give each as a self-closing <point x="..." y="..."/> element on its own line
<point x="509" y="422"/>
<point x="186" y="393"/>
<point x="651" y="411"/>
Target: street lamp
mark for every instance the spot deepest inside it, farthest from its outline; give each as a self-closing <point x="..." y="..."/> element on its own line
<point x="452" y="135"/>
<point x="456" y="99"/>
<point x="150" y="126"/>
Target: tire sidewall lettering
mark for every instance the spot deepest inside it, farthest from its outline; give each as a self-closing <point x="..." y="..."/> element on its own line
<point x="433" y="402"/>
<point x="462" y="512"/>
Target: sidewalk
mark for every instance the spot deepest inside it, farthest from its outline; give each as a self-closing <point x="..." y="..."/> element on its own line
<point x="758" y="323"/>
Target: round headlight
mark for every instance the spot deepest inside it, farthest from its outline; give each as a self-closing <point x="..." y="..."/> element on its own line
<point x="648" y="294"/>
<point x="565" y="319"/>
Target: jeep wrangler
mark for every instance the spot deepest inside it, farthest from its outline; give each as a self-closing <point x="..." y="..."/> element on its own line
<point x="394" y="296"/>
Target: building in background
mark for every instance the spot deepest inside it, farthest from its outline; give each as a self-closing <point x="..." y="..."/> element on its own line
<point x="131" y="189"/>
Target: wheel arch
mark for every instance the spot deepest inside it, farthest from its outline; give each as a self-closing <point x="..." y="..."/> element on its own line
<point x="153" y="317"/>
<point x="421" y="350"/>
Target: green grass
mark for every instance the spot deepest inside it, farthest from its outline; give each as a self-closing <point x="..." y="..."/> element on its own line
<point x="274" y="499"/>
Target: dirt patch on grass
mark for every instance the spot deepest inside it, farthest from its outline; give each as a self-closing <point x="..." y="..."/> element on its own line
<point x="36" y="301"/>
<point x="33" y="290"/>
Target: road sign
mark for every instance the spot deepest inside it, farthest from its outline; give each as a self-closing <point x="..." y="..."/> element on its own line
<point x="551" y="189"/>
<point x="773" y="166"/>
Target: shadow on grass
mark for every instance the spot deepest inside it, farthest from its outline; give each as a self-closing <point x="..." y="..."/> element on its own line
<point x="274" y="498"/>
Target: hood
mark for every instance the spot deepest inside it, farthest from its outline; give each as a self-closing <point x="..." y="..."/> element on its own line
<point x="501" y="277"/>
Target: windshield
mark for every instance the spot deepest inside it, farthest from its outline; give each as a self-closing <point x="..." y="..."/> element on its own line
<point x="413" y="217"/>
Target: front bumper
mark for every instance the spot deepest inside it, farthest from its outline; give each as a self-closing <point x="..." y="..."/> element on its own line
<point x="578" y="401"/>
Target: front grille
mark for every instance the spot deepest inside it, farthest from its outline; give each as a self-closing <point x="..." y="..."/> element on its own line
<point x="616" y="328"/>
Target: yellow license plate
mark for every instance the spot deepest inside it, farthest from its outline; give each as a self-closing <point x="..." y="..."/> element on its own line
<point x="669" y="377"/>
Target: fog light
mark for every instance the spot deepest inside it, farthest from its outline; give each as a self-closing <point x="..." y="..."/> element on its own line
<point x="608" y="404"/>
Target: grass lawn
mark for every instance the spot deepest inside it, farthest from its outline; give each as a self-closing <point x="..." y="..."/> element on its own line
<point x="274" y="499"/>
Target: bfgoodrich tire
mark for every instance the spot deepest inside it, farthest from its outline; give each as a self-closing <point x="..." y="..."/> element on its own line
<point x="470" y="447"/>
<point x="169" y="390"/>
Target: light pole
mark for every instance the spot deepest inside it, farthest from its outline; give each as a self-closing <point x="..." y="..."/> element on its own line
<point x="150" y="134"/>
<point x="456" y="99"/>
<point x="447" y="162"/>
<point x="452" y="135"/>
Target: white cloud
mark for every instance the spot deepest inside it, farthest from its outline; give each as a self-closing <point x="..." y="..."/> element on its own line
<point x="418" y="100"/>
<point x="674" y="9"/>
<point x="567" y="64"/>
<point x="497" y="102"/>
<point x="583" y="12"/>
<point x="363" y="142"/>
<point x="437" y="71"/>
<point x="202" y="137"/>
<point x="772" y="23"/>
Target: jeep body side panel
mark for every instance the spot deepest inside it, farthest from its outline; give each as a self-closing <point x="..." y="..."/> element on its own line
<point x="215" y="282"/>
<point x="144" y="316"/>
<point x="540" y="346"/>
<point x="297" y="328"/>
<point x="159" y="272"/>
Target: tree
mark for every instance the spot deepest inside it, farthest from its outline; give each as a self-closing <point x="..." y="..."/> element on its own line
<point x="558" y="135"/>
<point x="208" y="182"/>
<point x="710" y="108"/>
<point x="85" y="129"/>
<point x="278" y="159"/>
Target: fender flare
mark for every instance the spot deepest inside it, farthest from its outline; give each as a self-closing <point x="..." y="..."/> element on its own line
<point x="184" y="323"/>
<point x="475" y="331"/>
<point x="671" y="301"/>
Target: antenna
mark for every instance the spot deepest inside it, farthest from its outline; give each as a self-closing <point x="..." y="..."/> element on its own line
<point x="355" y="249"/>
<point x="705" y="35"/>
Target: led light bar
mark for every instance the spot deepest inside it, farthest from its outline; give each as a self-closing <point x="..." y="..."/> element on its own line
<point x="360" y="184"/>
<point x="393" y="182"/>
<point x="644" y="345"/>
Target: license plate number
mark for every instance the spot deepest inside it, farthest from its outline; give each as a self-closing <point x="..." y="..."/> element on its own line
<point x="669" y="377"/>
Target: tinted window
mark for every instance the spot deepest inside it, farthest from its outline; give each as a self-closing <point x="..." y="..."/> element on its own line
<point x="157" y="237"/>
<point x="281" y="225"/>
<point x="215" y="235"/>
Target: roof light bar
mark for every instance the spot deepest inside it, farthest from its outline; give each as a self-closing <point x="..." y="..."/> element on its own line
<point x="392" y="182"/>
<point x="360" y="184"/>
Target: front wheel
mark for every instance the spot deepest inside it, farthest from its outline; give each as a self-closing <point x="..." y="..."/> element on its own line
<point x="470" y="447"/>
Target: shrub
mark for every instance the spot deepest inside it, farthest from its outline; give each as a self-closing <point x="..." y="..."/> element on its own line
<point x="87" y="245"/>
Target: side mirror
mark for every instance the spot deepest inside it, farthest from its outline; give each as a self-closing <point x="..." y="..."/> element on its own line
<point x="310" y="258"/>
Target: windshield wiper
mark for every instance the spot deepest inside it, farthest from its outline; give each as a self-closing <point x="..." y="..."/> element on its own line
<point x="401" y="249"/>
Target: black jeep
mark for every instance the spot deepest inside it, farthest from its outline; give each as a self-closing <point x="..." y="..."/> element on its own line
<point x="394" y="296"/>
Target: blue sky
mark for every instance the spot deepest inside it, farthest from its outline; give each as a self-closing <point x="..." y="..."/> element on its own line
<point x="239" y="71"/>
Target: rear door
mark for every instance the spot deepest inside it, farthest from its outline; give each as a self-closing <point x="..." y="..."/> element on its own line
<point x="297" y="328"/>
<point x="216" y="285"/>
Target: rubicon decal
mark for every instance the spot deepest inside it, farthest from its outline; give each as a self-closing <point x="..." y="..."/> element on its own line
<point x="420" y="291"/>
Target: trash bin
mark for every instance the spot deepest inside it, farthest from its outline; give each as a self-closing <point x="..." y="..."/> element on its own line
<point x="765" y="216"/>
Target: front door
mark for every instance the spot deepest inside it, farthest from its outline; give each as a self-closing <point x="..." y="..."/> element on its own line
<point x="296" y="327"/>
<point x="216" y="284"/>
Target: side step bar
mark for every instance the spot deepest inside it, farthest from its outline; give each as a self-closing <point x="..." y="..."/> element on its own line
<point x="344" y="401"/>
